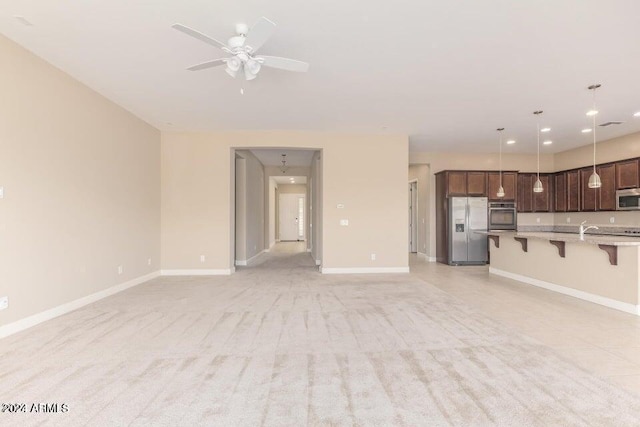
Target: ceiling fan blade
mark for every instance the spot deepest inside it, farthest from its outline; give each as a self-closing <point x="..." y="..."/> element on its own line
<point x="198" y="35"/>
<point x="284" y="63"/>
<point x="260" y="33"/>
<point x="208" y="64"/>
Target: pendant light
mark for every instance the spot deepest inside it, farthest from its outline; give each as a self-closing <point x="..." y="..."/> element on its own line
<point x="537" y="187"/>
<point x="500" y="192"/>
<point x="594" y="179"/>
<point x="284" y="166"/>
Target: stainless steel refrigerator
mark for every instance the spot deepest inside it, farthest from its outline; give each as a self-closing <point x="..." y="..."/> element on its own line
<point x="466" y="216"/>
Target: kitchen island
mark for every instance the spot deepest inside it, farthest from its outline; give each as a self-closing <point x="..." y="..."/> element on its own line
<point x="604" y="269"/>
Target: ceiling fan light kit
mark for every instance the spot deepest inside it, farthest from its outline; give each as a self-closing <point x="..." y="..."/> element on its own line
<point x="242" y="48"/>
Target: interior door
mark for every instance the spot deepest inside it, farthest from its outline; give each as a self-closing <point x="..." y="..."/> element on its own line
<point x="291" y="217"/>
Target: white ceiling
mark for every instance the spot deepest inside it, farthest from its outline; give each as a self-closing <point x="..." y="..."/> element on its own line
<point x="273" y="157"/>
<point x="283" y="180"/>
<point x="447" y="73"/>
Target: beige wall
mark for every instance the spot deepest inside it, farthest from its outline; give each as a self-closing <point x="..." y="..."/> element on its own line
<point x="420" y="173"/>
<point x="292" y="188"/>
<point x="82" y="188"/>
<point x="250" y="229"/>
<point x="196" y="196"/>
<point x="316" y="207"/>
<point x="542" y="262"/>
<point x="271" y="209"/>
<point x="607" y="151"/>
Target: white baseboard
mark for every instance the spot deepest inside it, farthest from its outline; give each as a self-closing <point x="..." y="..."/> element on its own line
<point x="198" y="272"/>
<point x="426" y="257"/>
<point x="27" y="322"/>
<point x="363" y="270"/>
<point x="597" y="299"/>
<point x="252" y="259"/>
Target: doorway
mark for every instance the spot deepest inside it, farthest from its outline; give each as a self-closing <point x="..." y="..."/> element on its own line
<point x="413" y="217"/>
<point x="291" y="217"/>
<point x="276" y="207"/>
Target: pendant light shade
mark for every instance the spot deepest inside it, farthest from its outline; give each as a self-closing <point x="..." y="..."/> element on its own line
<point x="537" y="187"/>
<point x="594" y="179"/>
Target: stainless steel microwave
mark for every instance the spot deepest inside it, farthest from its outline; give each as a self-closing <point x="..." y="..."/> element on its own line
<point x="628" y="200"/>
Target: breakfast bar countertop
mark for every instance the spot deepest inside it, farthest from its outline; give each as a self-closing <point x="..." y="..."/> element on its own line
<point x="589" y="238"/>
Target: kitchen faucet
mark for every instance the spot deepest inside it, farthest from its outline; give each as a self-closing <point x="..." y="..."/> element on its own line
<point x="583" y="229"/>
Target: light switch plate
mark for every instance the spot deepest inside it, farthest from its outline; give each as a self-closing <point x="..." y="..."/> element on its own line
<point x="4" y="303"/>
<point x="1" y="192"/>
<point x="340" y="206"/>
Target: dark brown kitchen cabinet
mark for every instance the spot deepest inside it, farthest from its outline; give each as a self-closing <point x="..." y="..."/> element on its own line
<point x="607" y="193"/>
<point x="476" y="183"/>
<point x="542" y="201"/>
<point x="508" y="183"/>
<point x="456" y="183"/>
<point x="524" y="203"/>
<point x="573" y="191"/>
<point x="528" y="201"/>
<point x="627" y="175"/>
<point x="589" y="196"/>
<point x="560" y="192"/>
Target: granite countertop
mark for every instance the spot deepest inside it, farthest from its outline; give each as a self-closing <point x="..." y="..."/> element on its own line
<point x="589" y="238"/>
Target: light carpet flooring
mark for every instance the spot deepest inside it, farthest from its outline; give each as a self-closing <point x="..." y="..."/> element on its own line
<point x="279" y="344"/>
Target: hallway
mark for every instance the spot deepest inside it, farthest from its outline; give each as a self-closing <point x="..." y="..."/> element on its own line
<point x="283" y="255"/>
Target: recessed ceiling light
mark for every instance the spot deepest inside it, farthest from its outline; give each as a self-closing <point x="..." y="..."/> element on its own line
<point x="23" y="20"/>
<point x="548" y="142"/>
<point x="592" y="113"/>
<point x="636" y="114"/>
<point x="545" y="130"/>
<point x="587" y="130"/>
<point x="511" y="141"/>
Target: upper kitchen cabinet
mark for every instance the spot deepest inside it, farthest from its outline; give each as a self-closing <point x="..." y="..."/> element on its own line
<point x="476" y="183"/>
<point x="607" y="193"/>
<point x="542" y="201"/>
<point x="508" y="183"/>
<point x="573" y="191"/>
<point x="524" y="201"/>
<point x="589" y="196"/>
<point x="627" y="174"/>
<point x="456" y="183"/>
<point x="528" y="201"/>
<point x="464" y="183"/>
<point x="560" y="193"/>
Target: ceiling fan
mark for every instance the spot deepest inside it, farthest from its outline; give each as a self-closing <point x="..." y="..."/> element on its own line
<point x="243" y="48"/>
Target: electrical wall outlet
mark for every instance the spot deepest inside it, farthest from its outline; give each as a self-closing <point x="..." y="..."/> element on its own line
<point x="538" y="219"/>
<point x="202" y="258"/>
<point x="568" y="220"/>
<point x="373" y="257"/>
<point x="1" y="192"/>
<point x="4" y="303"/>
<point x="120" y="270"/>
<point x="344" y="222"/>
<point x="149" y="261"/>
<point x="612" y="219"/>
